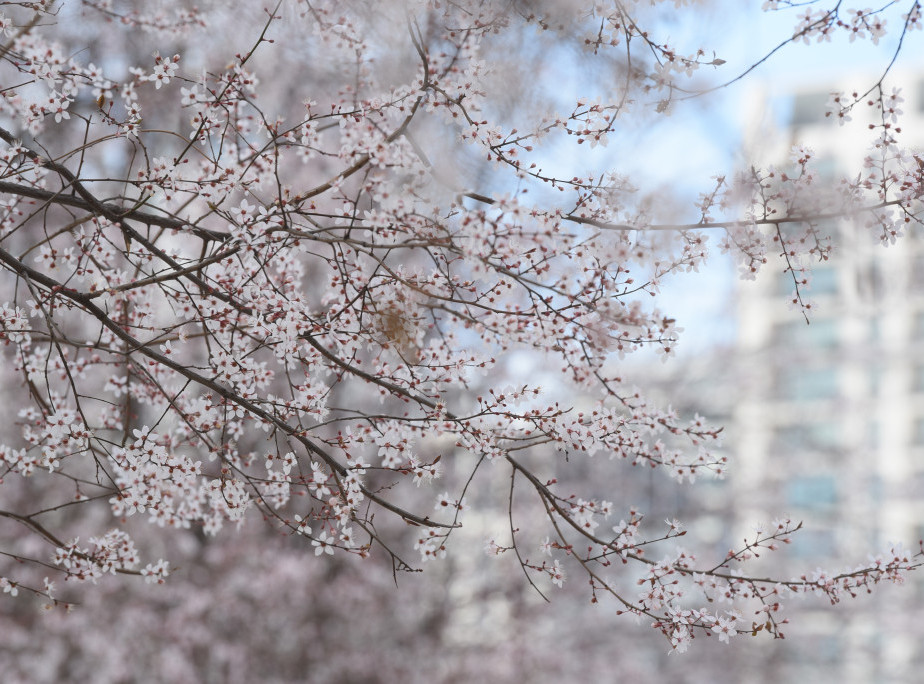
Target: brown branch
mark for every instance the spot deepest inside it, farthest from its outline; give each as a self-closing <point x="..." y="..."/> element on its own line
<point x="140" y="216"/>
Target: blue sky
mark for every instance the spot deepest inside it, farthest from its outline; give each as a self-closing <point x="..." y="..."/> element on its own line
<point x="709" y="134"/>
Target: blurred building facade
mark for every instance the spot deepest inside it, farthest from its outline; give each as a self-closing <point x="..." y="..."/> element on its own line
<point x="828" y="427"/>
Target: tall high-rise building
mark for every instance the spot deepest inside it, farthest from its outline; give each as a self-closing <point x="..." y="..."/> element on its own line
<point x="828" y="428"/>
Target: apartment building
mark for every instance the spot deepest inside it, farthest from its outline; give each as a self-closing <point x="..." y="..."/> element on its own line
<point x="829" y="423"/>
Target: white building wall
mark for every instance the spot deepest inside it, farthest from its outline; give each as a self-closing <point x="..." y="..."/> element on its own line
<point x="829" y="428"/>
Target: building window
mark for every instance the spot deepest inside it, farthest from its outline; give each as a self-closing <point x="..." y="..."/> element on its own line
<point x="797" y="334"/>
<point x="917" y="432"/>
<point x="823" y="437"/>
<point x="870" y="281"/>
<point x="916" y="274"/>
<point x="875" y="489"/>
<point x="813" y="543"/>
<point x="808" y="384"/>
<point x="827" y="168"/>
<point x="822" y="281"/>
<point x="872" y="434"/>
<point x="875" y="380"/>
<point x="809" y="108"/>
<point x="817" y="492"/>
<point x="917" y="326"/>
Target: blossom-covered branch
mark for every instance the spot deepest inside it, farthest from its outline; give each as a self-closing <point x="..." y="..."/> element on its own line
<point x="227" y="294"/>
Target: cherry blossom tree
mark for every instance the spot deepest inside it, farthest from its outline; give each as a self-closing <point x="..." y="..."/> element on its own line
<point x="284" y="279"/>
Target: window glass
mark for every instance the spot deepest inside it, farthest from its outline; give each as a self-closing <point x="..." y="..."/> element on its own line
<point x="809" y="108"/>
<point x="823" y="281"/>
<point x="812" y="543"/>
<point x="812" y="492"/>
<point x="820" y="333"/>
<point x="808" y="384"/>
<point x="917" y="326"/>
<point x="820" y="437"/>
<point x="917" y="434"/>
